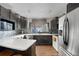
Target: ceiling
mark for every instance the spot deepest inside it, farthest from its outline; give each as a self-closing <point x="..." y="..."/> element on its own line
<point x="39" y="10"/>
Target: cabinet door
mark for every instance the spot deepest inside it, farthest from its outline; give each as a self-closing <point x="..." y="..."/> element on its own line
<point x="23" y="22"/>
<point x="16" y="23"/>
<point x="4" y="12"/>
<point x="16" y="19"/>
<point x="43" y="40"/>
<point x="19" y="23"/>
<point x="54" y="26"/>
<point x="55" y="42"/>
<point x="12" y="16"/>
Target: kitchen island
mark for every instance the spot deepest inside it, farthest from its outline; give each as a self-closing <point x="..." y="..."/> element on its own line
<point x="25" y="44"/>
<point x="42" y="38"/>
<point x="19" y="46"/>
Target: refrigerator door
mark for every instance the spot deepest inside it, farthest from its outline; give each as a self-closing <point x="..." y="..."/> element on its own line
<point x="66" y="32"/>
<point x="73" y="18"/>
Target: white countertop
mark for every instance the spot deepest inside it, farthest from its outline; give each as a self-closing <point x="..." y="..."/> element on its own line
<point x="41" y="34"/>
<point x="35" y="34"/>
<point x="22" y="35"/>
<point x="18" y="44"/>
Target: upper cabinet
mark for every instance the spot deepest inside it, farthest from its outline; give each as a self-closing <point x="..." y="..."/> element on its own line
<point x="13" y="16"/>
<point x="54" y="25"/>
<point x="72" y="6"/>
<point x="4" y="13"/>
<point x="20" y="22"/>
<point x="23" y="22"/>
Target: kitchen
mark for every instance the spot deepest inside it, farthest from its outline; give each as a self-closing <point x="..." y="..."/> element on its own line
<point x="36" y="29"/>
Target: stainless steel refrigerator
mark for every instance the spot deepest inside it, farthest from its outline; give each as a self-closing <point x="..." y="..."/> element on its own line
<point x="69" y="40"/>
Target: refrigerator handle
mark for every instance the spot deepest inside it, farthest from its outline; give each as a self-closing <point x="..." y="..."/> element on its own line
<point x="66" y="31"/>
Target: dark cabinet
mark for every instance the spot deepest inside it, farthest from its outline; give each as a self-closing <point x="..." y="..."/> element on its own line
<point x="4" y="13"/>
<point x="17" y="24"/>
<point x="43" y="39"/>
<point x="54" y="25"/>
<point x="17" y="20"/>
<point x="72" y="6"/>
<point x="23" y="22"/>
<point x="12" y="16"/>
<point x="20" y="21"/>
<point x="23" y="25"/>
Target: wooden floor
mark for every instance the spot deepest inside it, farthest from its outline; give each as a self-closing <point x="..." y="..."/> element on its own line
<point x="45" y="50"/>
<point x="41" y="50"/>
<point x="6" y="52"/>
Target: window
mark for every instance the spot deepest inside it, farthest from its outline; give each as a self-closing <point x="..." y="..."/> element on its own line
<point x="43" y="28"/>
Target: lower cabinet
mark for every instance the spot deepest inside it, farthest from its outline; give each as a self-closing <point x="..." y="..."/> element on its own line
<point x="43" y="39"/>
<point x="55" y="42"/>
<point x="31" y="51"/>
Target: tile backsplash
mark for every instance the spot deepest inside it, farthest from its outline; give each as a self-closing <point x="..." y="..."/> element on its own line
<point x="5" y="34"/>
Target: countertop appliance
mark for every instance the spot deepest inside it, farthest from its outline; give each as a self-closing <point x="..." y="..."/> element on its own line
<point x="69" y="40"/>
